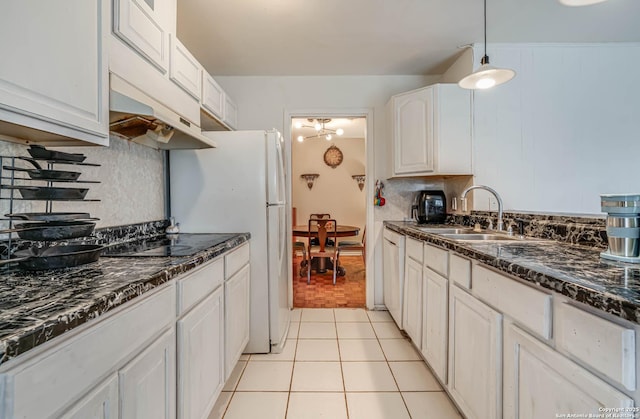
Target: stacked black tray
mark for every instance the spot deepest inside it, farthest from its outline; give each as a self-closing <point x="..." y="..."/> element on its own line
<point x="22" y="178"/>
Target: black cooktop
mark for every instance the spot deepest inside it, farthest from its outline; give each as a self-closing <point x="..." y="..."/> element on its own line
<point x="172" y="245"/>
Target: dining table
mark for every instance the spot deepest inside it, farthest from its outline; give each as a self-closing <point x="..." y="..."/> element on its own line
<point x="321" y="265"/>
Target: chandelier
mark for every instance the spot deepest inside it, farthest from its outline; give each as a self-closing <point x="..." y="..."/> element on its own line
<point x="321" y="131"/>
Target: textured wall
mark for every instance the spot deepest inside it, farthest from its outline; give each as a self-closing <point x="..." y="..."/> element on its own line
<point x="563" y="131"/>
<point x="131" y="188"/>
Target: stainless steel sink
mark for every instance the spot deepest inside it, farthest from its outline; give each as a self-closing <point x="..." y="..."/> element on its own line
<point x="480" y="237"/>
<point x="433" y="230"/>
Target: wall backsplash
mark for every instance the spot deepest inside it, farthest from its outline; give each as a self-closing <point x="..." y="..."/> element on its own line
<point x="130" y="189"/>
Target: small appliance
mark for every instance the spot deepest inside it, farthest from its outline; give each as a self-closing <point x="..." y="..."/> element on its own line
<point x="623" y="227"/>
<point x="429" y="207"/>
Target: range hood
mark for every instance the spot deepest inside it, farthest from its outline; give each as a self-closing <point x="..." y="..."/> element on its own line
<point x="135" y="116"/>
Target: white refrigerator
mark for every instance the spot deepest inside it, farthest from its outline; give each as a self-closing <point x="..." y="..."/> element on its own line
<point x="240" y="186"/>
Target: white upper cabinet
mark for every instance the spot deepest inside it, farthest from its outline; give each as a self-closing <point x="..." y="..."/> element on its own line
<point x="230" y="112"/>
<point x="53" y="77"/>
<point x="213" y="97"/>
<point x="431" y="131"/>
<point x="143" y="25"/>
<point x="185" y="69"/>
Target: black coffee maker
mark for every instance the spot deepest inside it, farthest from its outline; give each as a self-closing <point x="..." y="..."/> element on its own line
<point x="429" y="207"/>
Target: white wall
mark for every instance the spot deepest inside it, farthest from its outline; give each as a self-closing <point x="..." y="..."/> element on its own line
<point x="564" y="131"/>
<point x="262" y="102"/>
<point x="130" y="189"/>
<point x="334" y="191"/>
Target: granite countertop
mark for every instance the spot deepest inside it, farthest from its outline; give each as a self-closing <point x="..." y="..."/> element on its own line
<point x="38" y="306"/>
<point x="575" y="271"/>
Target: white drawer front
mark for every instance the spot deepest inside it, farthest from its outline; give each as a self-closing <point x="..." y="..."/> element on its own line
<point x="392" y="235"/>
<point x="437" y="259"/>
<point x="460" y="270"/>
<point x="86" y="357"/>
<point x="236" y="260"/>
<point x="603" y="345"/>
<point x="199" y="283"/>
<point x="529" y="307"/>
<point x="414" y="249"/>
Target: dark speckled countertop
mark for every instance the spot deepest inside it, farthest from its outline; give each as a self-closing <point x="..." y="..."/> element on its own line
<point x="577" y="272"/>
<point x="38" y="306"/>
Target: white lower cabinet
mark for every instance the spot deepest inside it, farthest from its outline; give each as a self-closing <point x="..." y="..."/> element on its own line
<point x="148" y="383"/>
<point x="475" y="356"/>
<point x="412" y="315"/>
<point x="435" y="321"/>
<point x="541" y="383"/>
<point x="201" y="357"/>
<point x="393" y="273"/>
<point x="100" y="403"/>
<point x="236" y="318"/>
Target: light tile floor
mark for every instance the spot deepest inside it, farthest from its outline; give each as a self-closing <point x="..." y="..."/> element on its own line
<point x="337" y="363"/>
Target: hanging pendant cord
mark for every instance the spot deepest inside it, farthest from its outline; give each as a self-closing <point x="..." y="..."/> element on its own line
<point x="485" y="59"/>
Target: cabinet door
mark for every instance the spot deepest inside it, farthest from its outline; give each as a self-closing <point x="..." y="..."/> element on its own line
<point x="230" y="112"/>
<point x="54" y="72"/>
<point x="435" y="322"/>
<point x="413" y="132"/>
<point x="475" y="354"/>
<point x="236" y="317"/>
<point x="100" y="403"/>
<point x="185" y="69"/>
<point x="541" y="383"/>
<point x="148" y="383"/>
<point x="213" y="97"/>
<point x="201" y="357"/>
<point x="412" y="312"/>
<point x="393" y="282"/>
<point x="141" y="24"/>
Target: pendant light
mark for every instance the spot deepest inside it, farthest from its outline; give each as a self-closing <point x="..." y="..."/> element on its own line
<point x="486" y="76"/>
<point x="580" y="2"/>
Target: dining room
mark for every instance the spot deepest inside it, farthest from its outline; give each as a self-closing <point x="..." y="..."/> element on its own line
<point x="328" y="166"/>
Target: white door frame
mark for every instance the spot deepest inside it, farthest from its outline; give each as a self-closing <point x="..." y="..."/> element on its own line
<point x="369" y="185"/>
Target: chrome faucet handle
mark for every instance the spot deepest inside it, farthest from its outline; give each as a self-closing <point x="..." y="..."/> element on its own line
<point x="490" y="225"/>
<point x="510" y="231"/>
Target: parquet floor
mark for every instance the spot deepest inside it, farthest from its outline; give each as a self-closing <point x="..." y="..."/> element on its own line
<point x="349" y="290"/>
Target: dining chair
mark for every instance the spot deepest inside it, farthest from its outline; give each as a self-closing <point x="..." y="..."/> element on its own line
<point x="326" y="228"/>
<point x="355" y="245"/>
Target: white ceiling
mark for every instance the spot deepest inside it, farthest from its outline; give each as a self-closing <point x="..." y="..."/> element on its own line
<point x="378" y="37"/>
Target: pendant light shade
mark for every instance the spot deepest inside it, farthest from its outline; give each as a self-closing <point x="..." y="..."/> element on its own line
<point x="580" y="2"/>
<point x="486" y="76"/>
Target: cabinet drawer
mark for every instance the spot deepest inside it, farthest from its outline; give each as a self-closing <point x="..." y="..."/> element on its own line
<point x="85" y="358"/>
<point x="236" y="260"/>
<point x="528" y="306"/>
<point x="607" y="347"/>
<point x="460" y="271"/>
<point x="199" y="283"/>
<point x="392" y="236"/>
<point x="414" y="249"/>
<point x="437" y="259"/>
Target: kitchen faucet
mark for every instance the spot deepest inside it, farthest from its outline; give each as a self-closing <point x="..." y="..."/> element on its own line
<point x="488" y="189"/>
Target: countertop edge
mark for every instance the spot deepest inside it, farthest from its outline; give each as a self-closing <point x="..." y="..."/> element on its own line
<point x="609" y="303"/>
<point x="21" y="342"/>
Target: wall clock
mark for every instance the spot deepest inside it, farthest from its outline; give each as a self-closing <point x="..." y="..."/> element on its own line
<point x="333" y="156"/>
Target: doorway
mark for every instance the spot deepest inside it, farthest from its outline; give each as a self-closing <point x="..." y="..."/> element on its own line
<point x="328" y="167"/>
